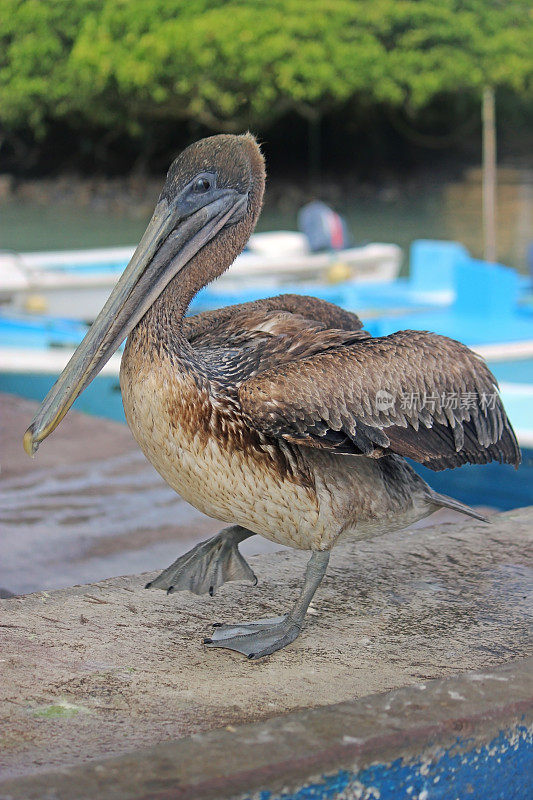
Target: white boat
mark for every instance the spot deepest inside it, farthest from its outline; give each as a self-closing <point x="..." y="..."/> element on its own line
<point x="75" y="284"/>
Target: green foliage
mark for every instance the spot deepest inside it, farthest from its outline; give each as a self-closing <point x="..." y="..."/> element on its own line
<point x="36" y="38"/>
<point x="227" y="65"/>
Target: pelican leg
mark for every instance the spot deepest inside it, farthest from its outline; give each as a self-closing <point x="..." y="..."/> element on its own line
<point x="265" y="636"/>
<point x="208" y="565"/>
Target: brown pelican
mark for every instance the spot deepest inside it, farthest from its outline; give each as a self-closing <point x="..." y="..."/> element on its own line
<point x="280" y="417"/>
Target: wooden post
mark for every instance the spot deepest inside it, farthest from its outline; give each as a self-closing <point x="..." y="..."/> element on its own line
<point x="489" y="176"/>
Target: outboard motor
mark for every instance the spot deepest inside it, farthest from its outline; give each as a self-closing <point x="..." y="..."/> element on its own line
<point x="323" y="227"/>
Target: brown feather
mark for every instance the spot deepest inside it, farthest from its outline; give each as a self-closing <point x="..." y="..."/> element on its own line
<point x="338" y="389"/>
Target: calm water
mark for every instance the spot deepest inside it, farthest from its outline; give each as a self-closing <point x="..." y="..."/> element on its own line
<point x="448" y="212"/>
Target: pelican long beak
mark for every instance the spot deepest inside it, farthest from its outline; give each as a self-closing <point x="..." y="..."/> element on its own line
<point x="173" y="236"/>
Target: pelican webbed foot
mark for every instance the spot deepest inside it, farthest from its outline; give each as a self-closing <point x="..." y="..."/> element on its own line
<point x="208" y="565"/>
<point x="255" y="639"/>
<point x="265" y="636"/>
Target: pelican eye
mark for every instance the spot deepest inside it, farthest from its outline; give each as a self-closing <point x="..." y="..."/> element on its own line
<point x="201" y="185"/>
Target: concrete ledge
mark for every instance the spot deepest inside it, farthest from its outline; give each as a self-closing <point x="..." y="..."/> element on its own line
<point x="103" y="670"/>
<point x="460" y="737"/>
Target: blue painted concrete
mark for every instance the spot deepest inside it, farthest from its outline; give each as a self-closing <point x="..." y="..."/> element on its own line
<point x="102" y="398"/>
<point x="519" y="370"/>
<point x="501" y="770"/>
<point x="433" y="264"/>
<point x="39" y="332"/>
<point x="471" y="330"/>
<point x="486" y="289"/>
<point x="351" y="295"/>
<point x="485" y="310"/>
<point x="494" y="485"/>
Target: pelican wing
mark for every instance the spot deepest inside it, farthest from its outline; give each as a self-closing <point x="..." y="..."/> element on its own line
<point x="413" y="393"/>
<point x="215" y="325"/>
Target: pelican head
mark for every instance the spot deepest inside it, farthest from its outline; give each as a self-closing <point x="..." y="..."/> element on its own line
<point x="204" y="216"/>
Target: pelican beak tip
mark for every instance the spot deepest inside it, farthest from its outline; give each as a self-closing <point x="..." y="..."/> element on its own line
<point x="30" y="445"/>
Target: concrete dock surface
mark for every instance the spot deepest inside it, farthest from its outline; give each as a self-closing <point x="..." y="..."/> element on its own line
<point x="99" y="677"/>
<point x="99" y="670"/>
